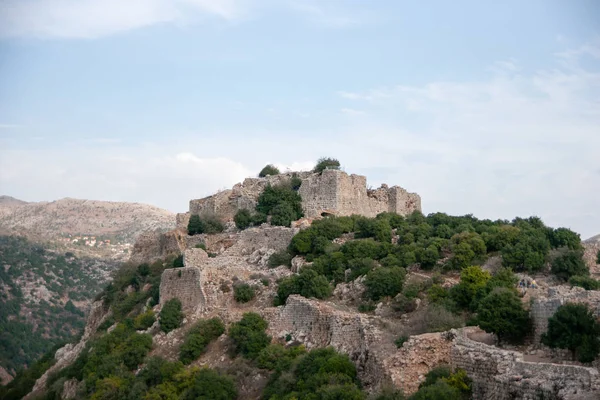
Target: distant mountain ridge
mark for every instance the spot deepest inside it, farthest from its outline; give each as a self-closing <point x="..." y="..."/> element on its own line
<point x="593" y="240"/>
<point x="70" y="216"/>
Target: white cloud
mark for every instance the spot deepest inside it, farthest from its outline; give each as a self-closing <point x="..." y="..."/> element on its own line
<point x="518" y="143"/>
<point x="95" y="18"/>
<point x="352" y="112"/>
<point x="149" y="174"/>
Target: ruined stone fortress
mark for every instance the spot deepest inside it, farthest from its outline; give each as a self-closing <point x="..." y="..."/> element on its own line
<point x="204" y="286"/>
<point x="333" y="192"/>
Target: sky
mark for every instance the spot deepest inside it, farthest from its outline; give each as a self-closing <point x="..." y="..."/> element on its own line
<point x="481" y="107"/>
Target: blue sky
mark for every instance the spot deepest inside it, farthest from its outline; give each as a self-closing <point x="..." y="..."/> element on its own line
<point x="490" y="108"/>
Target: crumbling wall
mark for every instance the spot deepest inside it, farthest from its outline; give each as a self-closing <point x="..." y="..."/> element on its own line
<point x="503" y="375"/>
<point x="544" y="307"/>
<point x="265" y="237"/>
<point x="590" y="256"/>
<point x="242" y="196"/>
<point x="184" y="284"/>
<point x="317" y="324"/>
<point x="335" y="192"/>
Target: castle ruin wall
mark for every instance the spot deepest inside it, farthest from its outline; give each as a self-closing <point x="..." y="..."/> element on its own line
<point x="184" y="284"/>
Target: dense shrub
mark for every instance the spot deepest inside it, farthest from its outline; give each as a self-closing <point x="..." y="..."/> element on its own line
<point x="206" y="224"/>
<point x="171" y="315"/>
<point x="178" y="261"/>
<point x="439" y="319"/>
<point x="472" y="281"/>
<point x="502" y="313"/>
<point x="249" y="335"/>
<point x="564" y="237"/>
<point x="401" y="340"/>
<point x="198" y="337"/>
<point x="441" y="384"/>
<point x="243" y="219"/>
<point x="281" y="202"/>
<point x="269" y="169"/>
<point x="282" y="257"/>
<point x="283" y="214"/>
<point x="585" y="282"/>
<point x="326" y="163"/>
<point x="574" y="327"/>
<point x="275" y="357"/>
<point x="528" y="253"/>
<point x="243" y="293"/>
<point x="210" y="385"/>
<point x="307" y="283"/>
<point x="144" y="320"/>
<point x="569" y="263"/>
<point x="319" y="374"/>
<point x="382" y="282"/>
<point x="598" y="257"/>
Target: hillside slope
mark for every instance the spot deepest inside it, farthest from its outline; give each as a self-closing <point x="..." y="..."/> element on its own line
<point x="124" y="221"/>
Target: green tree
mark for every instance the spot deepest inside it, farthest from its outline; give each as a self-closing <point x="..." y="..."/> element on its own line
<point x="326" y="163"/>
<point x="528" y="253"/>
<point x="569" y="263"/>
<point x="574" y="327"/>
<point x="307" y="283"/>
<point x="249" y="335"/>
<point x="243" y="219"/>
<point x="269" y="169"/>
<point x="178" y="261"/>
<point x="283" y="214"/>
<point x="243" y="293"/>
<point x="382" y="282"/>
<point x="171" y="315"/>
<point x="441" y="390"/>
<point x="563" y="237"/>
<point x="210" y="385"/>
<point x="585" y="282"/>
<point x="472" y="280"/>
<point x="501" y="312"/>
<point x="598" y="257"/>
<point x="198" y="337"/>
<point x="194" y="225"/>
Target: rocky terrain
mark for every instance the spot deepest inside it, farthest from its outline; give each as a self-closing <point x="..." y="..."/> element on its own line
<point x="361" y="297"/>
<point x="49" y="220"/>
<point x="54" y="258"/>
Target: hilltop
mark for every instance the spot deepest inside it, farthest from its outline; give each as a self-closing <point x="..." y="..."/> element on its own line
<point x="311" y="286"/>
<point x="49" y="220"/>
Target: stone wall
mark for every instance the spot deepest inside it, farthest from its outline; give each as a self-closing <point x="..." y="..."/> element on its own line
<point x="544" y="307"/>
<point x="335" y="192"/>
<point x="590" y="256"/>
<point x="184" y="284"/>
<point x="317" y="324"/>
<point x="502" y="375"/>
<point x="332" y="192"/>
<point x="265" y="237"/>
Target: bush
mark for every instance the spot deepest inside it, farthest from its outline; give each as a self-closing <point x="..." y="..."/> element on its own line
<point x="439" y="372"/>
<point x="209" y="384"/>
<point x="198" y="337"/>
<point x="283" y="214"/>
<point x="441" y="384"/>
<point x="472" y="280"/>
<point x="272" y="196"/>
<point x="307" y="283"/>
<point x="171" y="316"/>
<point x="275" y="357"/>
<point x="438" y="391"/>
<point x="528" y="253"/>
<point x="145" y="320"/>
<point x="502" y="313"/>
<point x="382" y="282"/>
<point x="206" y="224"/>
<point x="178" y="261"/>
<point x="249" y="335"/>
<point x="282" y="257"/>
<point x="563" y="237"/>
<point x="401" y="340"/>
<point x="585" y="282"/>
<point x="243" y="293"/>
<point x="242" y="219"/>
<point x="569" y="263"/>
<point x="575" y="328"/>
<point x="326" y="163"/>
<point x="269" y="169"/>
<point x="598" y="257"/>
